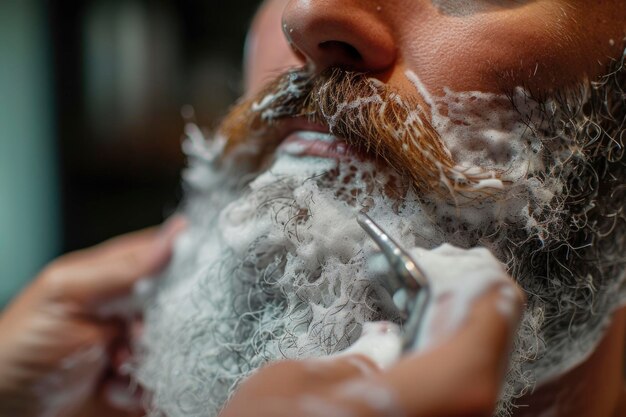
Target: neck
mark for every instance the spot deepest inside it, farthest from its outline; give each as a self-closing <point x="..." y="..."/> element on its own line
<point x="595" y="388"/>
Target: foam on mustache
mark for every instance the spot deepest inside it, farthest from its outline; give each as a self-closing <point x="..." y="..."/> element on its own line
<point x="370" y="116"/>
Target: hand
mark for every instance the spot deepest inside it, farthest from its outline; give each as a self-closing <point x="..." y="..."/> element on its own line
<point x="459" y="377"/>
<point x="56" y="345"/>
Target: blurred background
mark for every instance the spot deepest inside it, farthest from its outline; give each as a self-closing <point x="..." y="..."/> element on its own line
<point x="91" y="96"/>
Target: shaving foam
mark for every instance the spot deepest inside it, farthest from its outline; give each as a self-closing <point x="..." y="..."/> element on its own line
<point x="277" y="267"/>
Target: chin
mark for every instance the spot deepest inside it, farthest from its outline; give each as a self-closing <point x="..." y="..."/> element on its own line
<point x="275" y="266"/>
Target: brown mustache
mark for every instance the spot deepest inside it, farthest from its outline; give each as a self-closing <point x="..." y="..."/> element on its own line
<point x="367" y="114"/>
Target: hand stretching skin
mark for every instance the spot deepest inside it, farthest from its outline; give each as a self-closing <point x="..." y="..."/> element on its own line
<point x="461" y="377"/>
<point x="55" y="348"/>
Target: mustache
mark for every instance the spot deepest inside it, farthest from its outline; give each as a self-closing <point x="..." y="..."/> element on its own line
<point x="364" y="112"/>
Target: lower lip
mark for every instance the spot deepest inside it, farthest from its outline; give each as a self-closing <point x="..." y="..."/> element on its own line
<point x="315" y="144"/>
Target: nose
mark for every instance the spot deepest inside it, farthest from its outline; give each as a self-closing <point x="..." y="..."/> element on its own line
<point x="350" y="34"/>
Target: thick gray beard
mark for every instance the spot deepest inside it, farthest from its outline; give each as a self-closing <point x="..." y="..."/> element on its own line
<point x="280" y="269"/>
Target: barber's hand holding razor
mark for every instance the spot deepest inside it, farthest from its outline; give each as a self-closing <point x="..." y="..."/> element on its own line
<point x="56" y="350"/>
<point x="461" y="376"/>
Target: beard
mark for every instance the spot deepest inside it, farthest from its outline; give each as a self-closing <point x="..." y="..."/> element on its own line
<point x="275" y="266"/>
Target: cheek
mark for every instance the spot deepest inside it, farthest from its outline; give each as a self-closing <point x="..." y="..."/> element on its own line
<point x="543" y="48"/>
<point x="267" y="52"/>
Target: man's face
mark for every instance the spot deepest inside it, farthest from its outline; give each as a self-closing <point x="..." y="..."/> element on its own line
<point x="464" y="45"/>
<point x="472" y="123"/>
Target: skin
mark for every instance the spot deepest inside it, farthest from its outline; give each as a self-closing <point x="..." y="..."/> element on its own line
<point x="47" y="329"/>
<point x="475" y="45"/>
<point x="485" y="45"/>
<point x="441" y="382"/>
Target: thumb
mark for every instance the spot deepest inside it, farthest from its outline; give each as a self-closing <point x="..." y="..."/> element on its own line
<point x="462" y="376"/>
<point x="111" y="269"/>
<point x="380" y="342"/>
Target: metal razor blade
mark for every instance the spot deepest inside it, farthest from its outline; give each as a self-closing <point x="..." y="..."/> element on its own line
<point x="407" y="284"/>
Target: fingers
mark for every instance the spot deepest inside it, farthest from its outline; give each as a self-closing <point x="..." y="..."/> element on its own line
<point x="462" y="376"/>
<point x="111" y="269"/>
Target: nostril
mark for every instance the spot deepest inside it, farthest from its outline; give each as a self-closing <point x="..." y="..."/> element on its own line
<point x="343" y="49"/>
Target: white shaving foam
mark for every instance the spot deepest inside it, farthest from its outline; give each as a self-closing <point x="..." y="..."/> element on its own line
<point x="288" y="221"/>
